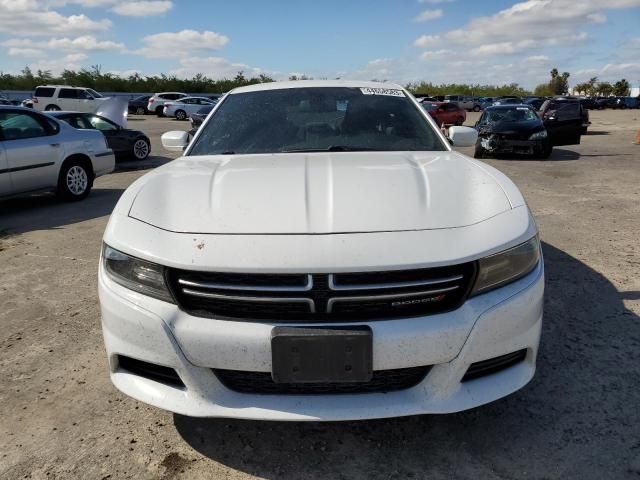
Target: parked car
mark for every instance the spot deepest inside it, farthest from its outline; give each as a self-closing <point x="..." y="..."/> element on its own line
<point x="535" y="102"/>
<point x="38" y="152"/>
<point x="157" y="101"/>
<point x="485" y="102"/>
<point x="589" y="103"/>
<point x="515" y="129"/>
<point x="465" y="102"/>
<point x="182" y="108"/>
<point x="566" y="117"/>
<point x="199" y="117"/>
<point x="508" y="101"/>
<point x="124" y="142"/>
<point x="321" y="253"/>
<point x="60" y="97"/>
<point x="445" y="113"/>
<point x="138" y="106"/>
<point x="626" y="102"/>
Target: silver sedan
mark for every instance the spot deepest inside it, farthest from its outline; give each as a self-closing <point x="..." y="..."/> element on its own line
<point x="38" y="153"/>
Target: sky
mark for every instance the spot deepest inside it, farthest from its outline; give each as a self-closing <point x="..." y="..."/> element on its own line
<point x="465" y="41"/>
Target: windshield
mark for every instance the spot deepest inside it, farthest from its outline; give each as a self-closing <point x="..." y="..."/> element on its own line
<point x="517" y="114"/>
<point x="94" y="93"/>
<point x="316" y="119"/>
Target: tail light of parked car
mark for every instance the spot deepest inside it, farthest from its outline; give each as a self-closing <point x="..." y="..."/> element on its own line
<point x="151" y="100"/>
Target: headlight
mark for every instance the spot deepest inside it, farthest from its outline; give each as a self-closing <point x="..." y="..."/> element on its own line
<point x="506" y="267"/>
<point x="138" y="275"/>
<point x="538" y="135"/>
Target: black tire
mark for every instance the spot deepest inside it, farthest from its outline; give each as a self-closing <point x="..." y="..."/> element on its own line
<point x="159" y="111"/>
<point x="476" y="108"/>
<point x="140" y="149"/>
<point x="75" y="180"/>
<point x="52" y="108"/>
<point x="181" y="115"/>
<point x="545" y="153"/>
<point x="141" y="111"/>
<point x="479" y="152"/>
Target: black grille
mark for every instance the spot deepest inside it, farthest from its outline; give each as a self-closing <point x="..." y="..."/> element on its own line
<point x="494" y="365"/>
<point x="322" y="297"/>
<point x="261" y="383"/>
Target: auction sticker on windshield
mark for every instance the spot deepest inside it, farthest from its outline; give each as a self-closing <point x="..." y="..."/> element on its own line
<point x="391" y="92"/>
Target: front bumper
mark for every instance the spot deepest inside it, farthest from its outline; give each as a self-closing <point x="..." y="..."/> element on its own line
<point x="495" y="144"/>
<point x="496" y="323"/>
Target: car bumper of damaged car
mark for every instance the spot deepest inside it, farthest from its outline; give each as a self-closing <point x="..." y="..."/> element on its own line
<point x="499" y="144"/>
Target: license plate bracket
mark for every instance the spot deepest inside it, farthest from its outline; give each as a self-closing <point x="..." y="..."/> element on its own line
<point x="321" y="355"/>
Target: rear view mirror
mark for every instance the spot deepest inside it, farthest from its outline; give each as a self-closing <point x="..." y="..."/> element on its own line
<point x="463" y="136"/>
<point x="175" y="141"/>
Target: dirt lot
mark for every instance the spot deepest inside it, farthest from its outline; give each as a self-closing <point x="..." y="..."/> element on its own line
<point x="579" y="417"/>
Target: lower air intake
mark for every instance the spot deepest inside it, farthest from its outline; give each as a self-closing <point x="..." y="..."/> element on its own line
<point x="261" y="383"/>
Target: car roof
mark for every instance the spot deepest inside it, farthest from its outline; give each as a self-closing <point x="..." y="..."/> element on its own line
<point x="313" y="83"/>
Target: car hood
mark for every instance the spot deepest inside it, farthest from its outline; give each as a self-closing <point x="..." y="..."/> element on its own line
<point x="318" y="193"/>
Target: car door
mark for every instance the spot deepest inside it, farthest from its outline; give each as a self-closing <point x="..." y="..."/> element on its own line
<point x="32" y="149"/>
<point x="118" y="142"/>
<point x="85" y="102"/>
<point x="68" y="99"/>
<point x="563" y="121"/>
<point x="5" y="174"/>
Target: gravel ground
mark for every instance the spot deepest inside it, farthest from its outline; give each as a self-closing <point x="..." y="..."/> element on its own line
<point x="579" y="417"/>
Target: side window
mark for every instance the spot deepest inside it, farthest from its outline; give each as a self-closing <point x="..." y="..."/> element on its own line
<point x="102" y="124"/>
<point x="568" y="111"/>
<point x="172" y="96"/>
<point x="17" y="126"/>
<point x="67" y="93"/>
<point x="44" y="92"/>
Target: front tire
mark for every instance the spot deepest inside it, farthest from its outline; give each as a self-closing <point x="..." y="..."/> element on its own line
<point x="75" y="181"/>
<point x="476" y="108"/>
<point x="181" y="115"/>
<point x="159" y="111"/>
<point x="545" y="153"/>
<point x="141" y="149"/>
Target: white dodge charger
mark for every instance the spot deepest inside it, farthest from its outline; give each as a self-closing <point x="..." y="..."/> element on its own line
<point x="320" y="253"/>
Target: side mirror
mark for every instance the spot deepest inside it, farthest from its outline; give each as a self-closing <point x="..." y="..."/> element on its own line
<point x="463" y="136"/>
<point x="175" y="141"/>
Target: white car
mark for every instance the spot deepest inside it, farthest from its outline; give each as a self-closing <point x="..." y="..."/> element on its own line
<point x="61" y="97"/>
<point x="320" y="253"/>
<point x="38" y="152"/>
<point x="157" y="101"/>
<point x="185" y="107"/>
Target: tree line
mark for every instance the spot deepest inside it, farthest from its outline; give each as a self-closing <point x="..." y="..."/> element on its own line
<point x="95" y="78"/>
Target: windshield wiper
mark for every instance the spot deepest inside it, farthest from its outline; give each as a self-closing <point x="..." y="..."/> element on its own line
<point x="332" y="148"/>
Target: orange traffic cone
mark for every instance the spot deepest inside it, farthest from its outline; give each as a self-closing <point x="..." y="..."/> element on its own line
<point x="637" y="142"/>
